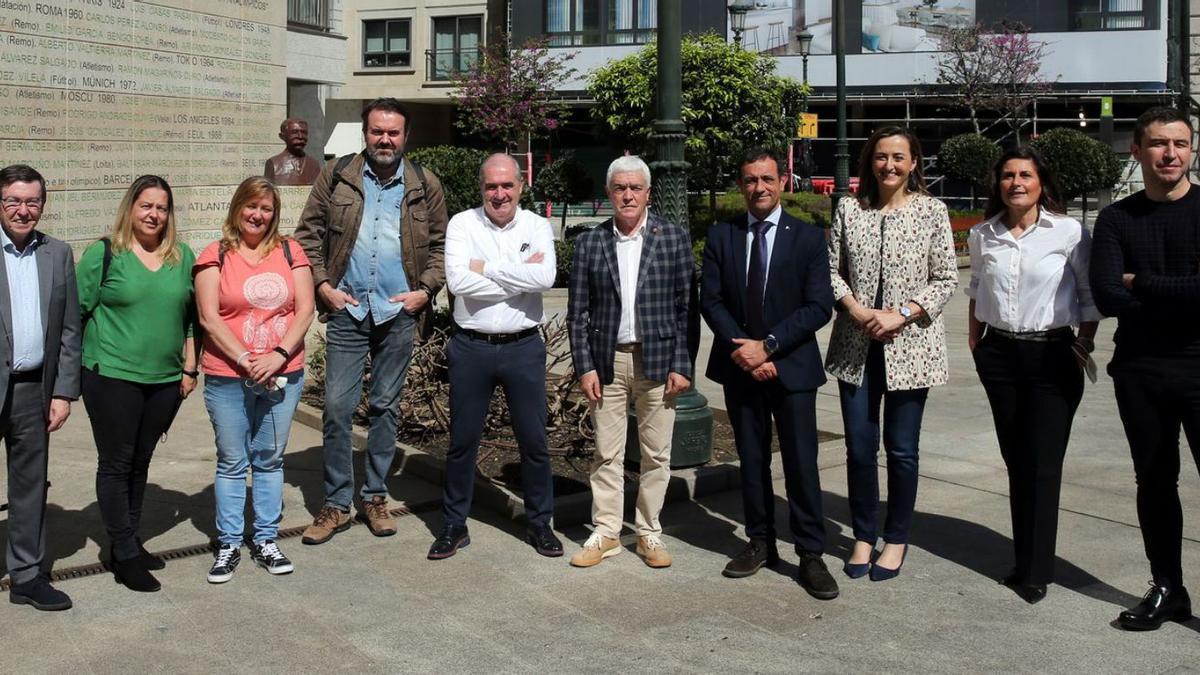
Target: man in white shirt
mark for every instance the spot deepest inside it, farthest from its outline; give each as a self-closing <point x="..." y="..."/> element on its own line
<point x="499" y="261"/>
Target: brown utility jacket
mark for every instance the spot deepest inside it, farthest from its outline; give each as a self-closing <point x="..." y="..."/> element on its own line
<point x="329" y="226"/>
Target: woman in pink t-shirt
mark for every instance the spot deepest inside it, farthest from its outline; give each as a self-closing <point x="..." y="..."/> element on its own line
<point x="254" y="291"/>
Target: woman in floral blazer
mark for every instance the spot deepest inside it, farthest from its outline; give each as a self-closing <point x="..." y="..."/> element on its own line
<point x="892" y="264"/>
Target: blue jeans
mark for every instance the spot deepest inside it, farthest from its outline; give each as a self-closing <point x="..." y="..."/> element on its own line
<point x="251" y="425"/>
<point x="902" y="413"/>
<point x="348" y="343"/>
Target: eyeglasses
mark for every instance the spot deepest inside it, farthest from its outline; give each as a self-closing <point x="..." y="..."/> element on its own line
<point x="12" y="203"/>
<point x="272" y="391"/>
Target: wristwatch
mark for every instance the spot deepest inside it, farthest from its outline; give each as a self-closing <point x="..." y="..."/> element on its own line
<point x="906" y="313"/>
<point x="770" y="344"/>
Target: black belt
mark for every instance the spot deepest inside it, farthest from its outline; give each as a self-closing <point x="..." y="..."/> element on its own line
<point x="499" y="338"/>
<point x="26" y="376"/>
<point x="1052" y="335"/>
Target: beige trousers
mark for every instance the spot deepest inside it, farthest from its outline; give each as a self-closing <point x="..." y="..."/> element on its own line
<point x="656" y="421"/>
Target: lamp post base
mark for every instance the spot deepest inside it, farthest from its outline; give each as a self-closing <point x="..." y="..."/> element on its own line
<point x="691" y="439"/>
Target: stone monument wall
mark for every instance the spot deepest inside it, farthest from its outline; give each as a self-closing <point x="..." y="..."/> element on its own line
<point x="96" y="92"/>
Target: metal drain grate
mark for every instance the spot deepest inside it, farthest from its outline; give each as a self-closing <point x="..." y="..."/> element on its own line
<point x="80" y="571"/>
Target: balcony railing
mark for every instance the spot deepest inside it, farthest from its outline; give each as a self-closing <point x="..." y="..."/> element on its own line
<point x="442" y="64"/>
<point x="311" y="14"/>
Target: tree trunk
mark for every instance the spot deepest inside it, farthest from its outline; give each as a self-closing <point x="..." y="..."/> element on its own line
<point x="974" y="120"/>
<point x="1084" y="219"/>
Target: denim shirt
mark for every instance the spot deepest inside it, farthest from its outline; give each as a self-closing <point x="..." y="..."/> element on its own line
<point x="28" y="338"/>
<point x="376" y="270"/>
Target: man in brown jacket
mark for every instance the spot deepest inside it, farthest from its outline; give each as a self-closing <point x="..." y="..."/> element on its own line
<point x="374" y="229"/>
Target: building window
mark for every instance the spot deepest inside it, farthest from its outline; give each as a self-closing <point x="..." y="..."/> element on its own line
<point x="1109" y="14"/>
<point x="632" y="21"/>
<point x="456" y="45"/>
<point x="573" y="22"/>
<point x="386" y="44"/>
<point x="312" y="14"/>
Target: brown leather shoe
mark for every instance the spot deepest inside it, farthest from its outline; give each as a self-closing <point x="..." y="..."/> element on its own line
<point x="375" y="514"/>
<point x="595" y="549"/>
<point x="329" y="521"/>
<point x="653" y="552"/>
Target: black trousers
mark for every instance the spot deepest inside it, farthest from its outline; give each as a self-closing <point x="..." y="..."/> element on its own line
<point x="519" y="368"/>
<point x="1154" y="403"/>
<point x="128" y="418"/>
<point x="1034" y="389"/>
<point x="751" y="407"/>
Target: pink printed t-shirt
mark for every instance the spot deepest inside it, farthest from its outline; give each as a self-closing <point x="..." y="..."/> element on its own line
<point x="258" y="303"/>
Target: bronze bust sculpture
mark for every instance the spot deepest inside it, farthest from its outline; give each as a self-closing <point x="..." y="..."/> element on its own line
<point x="292" y="166"/>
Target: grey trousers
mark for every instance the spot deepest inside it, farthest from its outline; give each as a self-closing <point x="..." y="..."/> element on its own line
<point x="23" y="428"/>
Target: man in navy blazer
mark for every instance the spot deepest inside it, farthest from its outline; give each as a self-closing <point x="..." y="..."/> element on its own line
<point x="627" y="313"/>
<point x="765" y="293"/>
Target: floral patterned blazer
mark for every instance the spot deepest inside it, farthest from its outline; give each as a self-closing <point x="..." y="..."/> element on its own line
<point x="911" y="252"/>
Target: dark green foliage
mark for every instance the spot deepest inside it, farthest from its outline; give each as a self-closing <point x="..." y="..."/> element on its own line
<point x="807" y="206"/>
<point x="969" y="157"/>
<point x="1080" y="163"/>
<point x="458" y="169"/>
<point x="564" y="181"/>
<point x="732" y="98"/>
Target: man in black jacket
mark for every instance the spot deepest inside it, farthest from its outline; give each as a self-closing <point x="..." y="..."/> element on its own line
<point x="1145" y="271"/>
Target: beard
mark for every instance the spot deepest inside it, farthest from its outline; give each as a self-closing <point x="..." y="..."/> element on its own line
<point x="383" y="157"/>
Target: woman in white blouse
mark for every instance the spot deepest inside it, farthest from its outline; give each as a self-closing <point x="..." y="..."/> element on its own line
<point x="1029" y="287"/>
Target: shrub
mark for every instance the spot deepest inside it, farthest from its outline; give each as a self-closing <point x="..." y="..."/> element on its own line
<point x="458" y="169"/>
<point x="563" y="181"/>
<point x="969" y="157"/>
<point x="807" y="206"/>
<point x="1080" y="164"/>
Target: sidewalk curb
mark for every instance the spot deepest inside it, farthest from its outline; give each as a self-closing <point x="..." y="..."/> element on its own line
<point x="574" y="509"/>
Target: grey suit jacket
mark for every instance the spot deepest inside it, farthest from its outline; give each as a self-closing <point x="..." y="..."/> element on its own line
<point x="60" y="320"/>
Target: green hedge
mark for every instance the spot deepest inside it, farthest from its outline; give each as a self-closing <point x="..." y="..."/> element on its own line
<point x="804" y="205"/>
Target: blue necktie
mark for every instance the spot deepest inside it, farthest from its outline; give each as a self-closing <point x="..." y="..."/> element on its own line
<point x="756" y="281"/>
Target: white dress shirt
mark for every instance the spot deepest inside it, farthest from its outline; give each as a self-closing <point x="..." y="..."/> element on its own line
<point x="1035" y="283"/>
<point x="28" y="336"/>
<point x="507" y="297"/>
<point x="773" y="218"/>
<point x="629" y="260"/>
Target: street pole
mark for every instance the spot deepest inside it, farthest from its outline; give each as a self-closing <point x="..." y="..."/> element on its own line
<point x="841" y="153"/>
<point x="691" y="442"/>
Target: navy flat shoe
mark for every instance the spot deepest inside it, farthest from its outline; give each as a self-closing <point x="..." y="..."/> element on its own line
<point x="880" y="573"/>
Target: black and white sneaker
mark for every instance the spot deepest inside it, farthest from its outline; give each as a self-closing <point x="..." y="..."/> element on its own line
<point x="225" y="562"/>
<point x="268" y="556"/>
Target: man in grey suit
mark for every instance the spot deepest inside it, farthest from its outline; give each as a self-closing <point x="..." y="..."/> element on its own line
<point x="39" y="315"/>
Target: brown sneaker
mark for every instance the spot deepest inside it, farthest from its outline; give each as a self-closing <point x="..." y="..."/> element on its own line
<point x="595" y="549"/>
<point x="329" y="521"/>
<point x="653" y="552"/>
<point x="375" y="514"/>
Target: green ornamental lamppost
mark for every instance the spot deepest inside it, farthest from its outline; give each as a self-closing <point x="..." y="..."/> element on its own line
<point x="692" y="440"/>
<point x="841" y="152"/>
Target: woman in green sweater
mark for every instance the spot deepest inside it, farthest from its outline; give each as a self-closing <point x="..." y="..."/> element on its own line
<point x="139" y="360"/>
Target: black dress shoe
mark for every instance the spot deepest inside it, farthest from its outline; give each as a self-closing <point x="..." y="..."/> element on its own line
<point x="814" y="576"/>
<point x="1031" y="593"/>
<point x="133" y="575"/>
<point x="39" y="593"/>
<point x="1161" y="604"/>
<point x="149" y="561"/>
<point x="542" y="538"/>
<point x="1011" y="579"/>
<point x="452" y="538"/>
<point x="758" y="552"/>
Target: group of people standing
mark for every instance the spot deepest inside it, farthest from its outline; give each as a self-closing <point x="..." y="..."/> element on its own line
<point x="132" y="326"/>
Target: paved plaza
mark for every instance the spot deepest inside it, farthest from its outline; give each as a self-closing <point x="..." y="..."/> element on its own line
<point x="362" y="604"/>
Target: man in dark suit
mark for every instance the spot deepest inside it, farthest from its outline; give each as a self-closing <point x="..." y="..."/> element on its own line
<point x="39" y="313"/>
<point x="765" y="293"/>
<point x="628" y="316"/>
